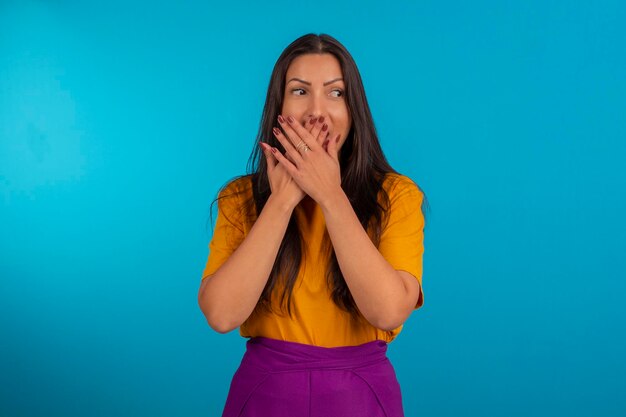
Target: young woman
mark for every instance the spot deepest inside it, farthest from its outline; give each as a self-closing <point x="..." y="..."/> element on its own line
<point x="317" y="254"/>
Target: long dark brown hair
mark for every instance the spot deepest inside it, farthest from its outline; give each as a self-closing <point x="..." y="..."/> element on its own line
<point x="363" y="170"/>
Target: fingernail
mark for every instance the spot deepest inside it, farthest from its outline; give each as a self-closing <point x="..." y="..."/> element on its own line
<point x="321" y="119"/>
<point x="273" y="150"/>
<point x="290" y="119"/>
<point x="324" y="127"/>
<point x="276" y="131"/>
<point x="280" y="119"/>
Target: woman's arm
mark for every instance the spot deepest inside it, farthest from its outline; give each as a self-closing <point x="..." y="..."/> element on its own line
<point x="386" y="297"/>
<point x="228" y="297"/>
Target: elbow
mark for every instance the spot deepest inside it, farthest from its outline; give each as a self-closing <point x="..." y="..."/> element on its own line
<point x="390" y="321"/>
<point x="389" y="324"/>
<point x="214" y="319"/>
<point x="217" y="321"/>
<point x="394" y="316"/>
<point x="221" y="327"/>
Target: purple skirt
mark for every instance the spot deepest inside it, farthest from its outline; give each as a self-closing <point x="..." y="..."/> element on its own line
<point x="288" y="379"/>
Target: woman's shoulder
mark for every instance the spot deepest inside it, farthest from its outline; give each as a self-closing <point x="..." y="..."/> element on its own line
<point x="233" y="193"/>
<point x="404" y="195"/>
<point x="236" y="199"/>
<point x="238" y="185"/>
<point x="396" y="183"/>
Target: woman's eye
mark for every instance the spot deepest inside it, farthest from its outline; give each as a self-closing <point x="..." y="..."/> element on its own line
<point x="340" y="91"/>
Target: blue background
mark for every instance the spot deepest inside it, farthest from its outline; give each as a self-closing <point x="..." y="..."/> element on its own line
<point x="120" y="121"/>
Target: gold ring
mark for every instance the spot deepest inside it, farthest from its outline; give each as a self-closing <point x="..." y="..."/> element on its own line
<point x="302" y="144"/>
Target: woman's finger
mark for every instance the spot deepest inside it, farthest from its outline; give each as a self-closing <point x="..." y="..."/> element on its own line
<point x="291" y="168"/>
<point x="317" y="128"/>
<point x="296" y="133"/>
<point x="324" y="139"/>
<point x="269" y="156"/>
<point x="290" y="150"/>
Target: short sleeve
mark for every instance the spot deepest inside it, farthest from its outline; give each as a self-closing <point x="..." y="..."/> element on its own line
<point x="402" y="238"/>
<point x="228" y="232"/>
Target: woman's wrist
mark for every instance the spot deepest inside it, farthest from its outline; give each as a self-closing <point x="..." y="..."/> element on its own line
<point x="283" y="204"/>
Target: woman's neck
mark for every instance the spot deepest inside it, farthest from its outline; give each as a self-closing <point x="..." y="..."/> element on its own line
<point x="308" y="204"/>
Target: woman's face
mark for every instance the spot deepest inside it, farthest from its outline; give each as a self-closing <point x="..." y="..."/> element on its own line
<point x="306" y="95"/>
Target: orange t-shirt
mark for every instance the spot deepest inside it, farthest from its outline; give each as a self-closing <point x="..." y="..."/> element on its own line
<point x="316" y="319"/>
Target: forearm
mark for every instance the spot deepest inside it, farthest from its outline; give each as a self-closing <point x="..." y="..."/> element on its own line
<point x="375" y="285"/>
<point x="229" y="296"/>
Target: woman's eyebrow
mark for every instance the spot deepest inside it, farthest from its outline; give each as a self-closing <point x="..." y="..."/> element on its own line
<point x="308" y="83"/>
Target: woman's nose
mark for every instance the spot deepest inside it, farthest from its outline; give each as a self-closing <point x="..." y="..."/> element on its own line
<point x="316" y="105"/>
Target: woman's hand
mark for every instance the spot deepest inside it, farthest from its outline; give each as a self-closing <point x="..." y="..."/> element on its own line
<point x="316" y="170"/>
<point x="281" y="182"/>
